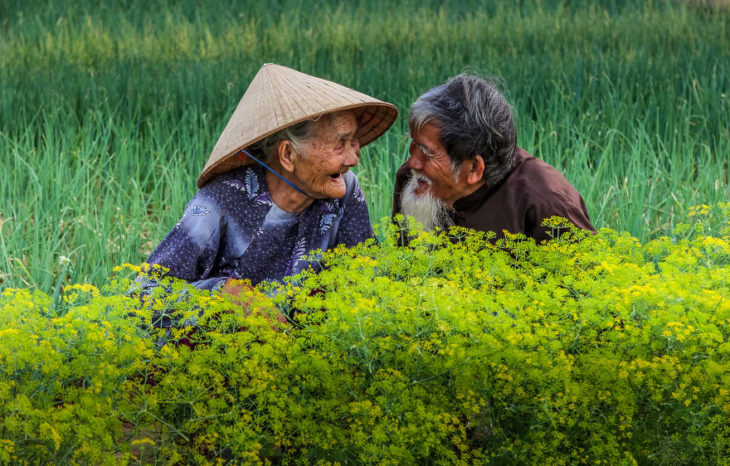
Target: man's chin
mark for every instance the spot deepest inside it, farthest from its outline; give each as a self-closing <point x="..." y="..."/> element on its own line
<point x="418" y="202"/>
<point x="422" y="189"/>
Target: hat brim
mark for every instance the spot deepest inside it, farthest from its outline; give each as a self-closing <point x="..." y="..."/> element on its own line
<point x="373" y="120"/>
<point x="279" y="97"/>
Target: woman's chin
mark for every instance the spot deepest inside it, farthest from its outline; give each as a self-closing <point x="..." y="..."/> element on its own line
<point x="334" y="188"/>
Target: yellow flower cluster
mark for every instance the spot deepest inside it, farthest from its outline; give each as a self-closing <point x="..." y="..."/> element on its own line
<point x="455" y="349"/>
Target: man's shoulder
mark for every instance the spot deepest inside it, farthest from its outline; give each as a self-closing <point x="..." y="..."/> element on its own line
<point x="549" y="192"/>
<point x="536" y="173"/>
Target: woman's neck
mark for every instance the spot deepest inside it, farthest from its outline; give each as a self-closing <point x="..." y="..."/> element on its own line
<point x="284" y="196"/>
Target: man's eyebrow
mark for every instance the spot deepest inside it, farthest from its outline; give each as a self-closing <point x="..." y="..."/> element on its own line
<point x="425" y="148"/>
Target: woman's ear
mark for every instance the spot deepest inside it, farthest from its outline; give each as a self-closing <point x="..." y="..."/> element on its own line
<point x="476" y="169"/>
<point x="287" y="155"/>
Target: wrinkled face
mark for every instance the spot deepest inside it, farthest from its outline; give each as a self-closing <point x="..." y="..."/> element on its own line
<point x="430" y="160"/>
<point x="326" y="157"/>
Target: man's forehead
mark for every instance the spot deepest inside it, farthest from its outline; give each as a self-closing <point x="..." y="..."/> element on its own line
<point x="429" y="135"/>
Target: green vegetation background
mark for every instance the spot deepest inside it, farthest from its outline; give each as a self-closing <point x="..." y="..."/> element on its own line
<point x="108" y="110"/>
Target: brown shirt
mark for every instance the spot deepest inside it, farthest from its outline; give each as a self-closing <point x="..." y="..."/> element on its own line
<point x="530" y="193"/>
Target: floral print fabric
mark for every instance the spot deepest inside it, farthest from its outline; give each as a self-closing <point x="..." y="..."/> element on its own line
<point x="232" y="228"/>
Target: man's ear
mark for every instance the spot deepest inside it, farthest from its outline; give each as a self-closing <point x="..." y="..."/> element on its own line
<point x="476" y="169"/>
<point x="287" y="155"/>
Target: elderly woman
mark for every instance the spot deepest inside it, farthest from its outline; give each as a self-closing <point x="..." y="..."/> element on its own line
<point x="278" y="183"/>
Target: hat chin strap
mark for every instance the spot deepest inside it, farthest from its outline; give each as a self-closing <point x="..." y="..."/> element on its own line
<point x="274" y="172"/>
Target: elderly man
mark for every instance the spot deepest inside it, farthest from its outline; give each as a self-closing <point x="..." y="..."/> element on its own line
<point x="277" y="185"/>
<point x="465" y="168"/>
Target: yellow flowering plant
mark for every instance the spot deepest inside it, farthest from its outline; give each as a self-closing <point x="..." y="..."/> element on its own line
<point x="454" y="349"/>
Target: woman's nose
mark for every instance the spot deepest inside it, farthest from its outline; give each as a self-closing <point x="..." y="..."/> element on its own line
<point x="353" y="156"/>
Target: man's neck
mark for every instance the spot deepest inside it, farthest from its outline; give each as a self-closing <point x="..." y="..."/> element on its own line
<point x="467" y="191"/>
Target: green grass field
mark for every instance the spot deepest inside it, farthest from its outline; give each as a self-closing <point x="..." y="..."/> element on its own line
<point x="108" y="112"/>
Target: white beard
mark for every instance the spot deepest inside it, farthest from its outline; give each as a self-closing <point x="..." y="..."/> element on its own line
<point x="427" y="210"/>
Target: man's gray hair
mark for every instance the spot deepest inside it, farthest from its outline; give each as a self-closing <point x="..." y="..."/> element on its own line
<point x="475" y="119"/>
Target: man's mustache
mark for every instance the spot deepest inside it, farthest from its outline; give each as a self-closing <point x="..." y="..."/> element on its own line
<point x="418" y="176"/>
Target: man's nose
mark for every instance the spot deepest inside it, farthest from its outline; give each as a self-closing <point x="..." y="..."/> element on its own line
<point x="415" y="162"/>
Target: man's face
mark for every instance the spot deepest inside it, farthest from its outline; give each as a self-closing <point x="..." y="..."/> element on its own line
<point x="327" y="156"/>
<point x="429" y="159"/>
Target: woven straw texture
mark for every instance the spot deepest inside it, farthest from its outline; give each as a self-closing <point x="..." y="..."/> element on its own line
<point x="279" y="97"/>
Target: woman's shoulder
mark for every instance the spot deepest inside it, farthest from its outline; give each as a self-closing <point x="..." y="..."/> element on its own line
<point x="351" y="181"/>
<point x="246" y="182"/>
<point x="353" y="189"/>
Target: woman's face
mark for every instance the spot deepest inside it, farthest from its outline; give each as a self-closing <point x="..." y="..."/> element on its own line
<point x="325" y="158"/>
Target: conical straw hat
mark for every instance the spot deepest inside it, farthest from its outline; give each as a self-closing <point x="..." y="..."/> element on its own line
<point x="279" y="97"/>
